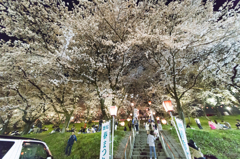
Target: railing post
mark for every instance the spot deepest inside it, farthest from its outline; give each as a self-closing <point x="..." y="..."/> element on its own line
<point x="130" y="141"/>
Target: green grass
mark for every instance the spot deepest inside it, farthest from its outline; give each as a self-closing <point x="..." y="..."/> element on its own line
<point x="224" y="144"/>
<point x="86" y="147"/>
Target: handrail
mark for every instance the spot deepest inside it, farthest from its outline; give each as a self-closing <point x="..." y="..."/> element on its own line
<point x="168" y="145"/>
<point x="164" y="143"/>
<point x="129" y="145"/>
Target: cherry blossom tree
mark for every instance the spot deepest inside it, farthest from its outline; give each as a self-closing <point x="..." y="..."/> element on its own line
<point x="182" y="39"/>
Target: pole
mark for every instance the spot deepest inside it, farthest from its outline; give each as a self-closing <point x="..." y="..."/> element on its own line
<point x="112" y="135"/>
<point x="178" y="134"/>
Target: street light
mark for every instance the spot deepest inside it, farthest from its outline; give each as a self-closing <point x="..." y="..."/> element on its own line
<point x="113" y="112"/>
<point x="169" y="108"/>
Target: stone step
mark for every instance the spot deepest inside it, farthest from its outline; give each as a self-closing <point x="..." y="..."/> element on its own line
<point x="145" y="144"/>
<point x="148" y="153"/>
<point x="147" y="157"/>
<point x="147" y="149"/>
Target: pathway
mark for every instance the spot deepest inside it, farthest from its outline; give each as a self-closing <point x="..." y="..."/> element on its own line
<point x="141" y="149"/>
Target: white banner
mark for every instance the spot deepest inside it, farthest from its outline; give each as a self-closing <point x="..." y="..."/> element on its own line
<point x="151" y="115"/>
<point x="135" y="113"/>
<point x="183" y="137"/>
<point x="104" y="150"/>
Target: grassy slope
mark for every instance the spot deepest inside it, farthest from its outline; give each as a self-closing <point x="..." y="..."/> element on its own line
<point x="87" y="146"/>
<point x="223" y="144"/>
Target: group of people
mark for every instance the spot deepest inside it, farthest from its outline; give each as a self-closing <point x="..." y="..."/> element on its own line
<point x="217" y="125"/>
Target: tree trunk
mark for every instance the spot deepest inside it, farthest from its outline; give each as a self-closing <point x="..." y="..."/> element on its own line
<point x="219" y="115"/>
<point x="65" y="125"/>
<point x="204" y="111"/>
<point x="189" y="120"/>
<point x="180" y="111"/>
<point x="27" y="127"/>
<point x="4" y="128"/>
<point x="102" y="101"/>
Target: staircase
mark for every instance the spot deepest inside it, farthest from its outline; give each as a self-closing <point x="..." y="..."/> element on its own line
<point x="141" y="149"/>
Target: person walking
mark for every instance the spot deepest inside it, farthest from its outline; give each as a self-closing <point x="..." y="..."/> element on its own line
<point x="136" y="124"/>
<point x="150" y="140"/>
<point x="116" y="124"/>
<point x="70" y="142"/>
<point x="147" y="127"/>
<point x="130" y="126"/>
<point x="198" y="123"/>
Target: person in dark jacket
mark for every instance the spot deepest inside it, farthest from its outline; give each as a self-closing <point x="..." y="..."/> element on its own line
<point x="100" y="125"/>
<point x="70" y="144"/>
<point x="130" y="126"/>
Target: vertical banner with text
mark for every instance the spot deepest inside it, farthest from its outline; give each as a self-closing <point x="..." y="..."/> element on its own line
<point x="135" y="113"/>
<point x="183" y="137"/>
<point x="104" y="149"/>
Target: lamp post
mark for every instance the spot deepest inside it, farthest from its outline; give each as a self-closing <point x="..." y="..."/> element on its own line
<point x="169" y="108"/>
<point x="113" y="112"/>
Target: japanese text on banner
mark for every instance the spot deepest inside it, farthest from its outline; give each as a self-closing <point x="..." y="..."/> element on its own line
<point x="104" y="149"/>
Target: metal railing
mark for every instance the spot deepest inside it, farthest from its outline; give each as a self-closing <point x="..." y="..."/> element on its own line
<point x="165" y="146"/>
<point x="129" y="145"/>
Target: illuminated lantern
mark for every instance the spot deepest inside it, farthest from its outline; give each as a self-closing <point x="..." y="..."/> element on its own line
<point x="157" y="118"/>
<point x="122" y="123"/>
<point x="149" y="102"/>
<point x="128" y="119"/>
<point x="131" y="114"/>
<point x="168" y="106"/>
<point x="153" y="113"/>
<point x="164" y="121"/>
<point x="113" y="110"/>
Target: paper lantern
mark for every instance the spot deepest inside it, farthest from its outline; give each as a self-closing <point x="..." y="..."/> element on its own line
<point x="168" y="106"/>
<point x="164" y="121"/>
<point x="113" y="110"/>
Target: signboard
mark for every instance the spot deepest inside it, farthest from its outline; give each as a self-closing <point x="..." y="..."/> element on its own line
<point x="183" y="137"/>
<point x="135" y="113"/>
<point x="104" y="149"/>
<point x="151" y="115"/>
